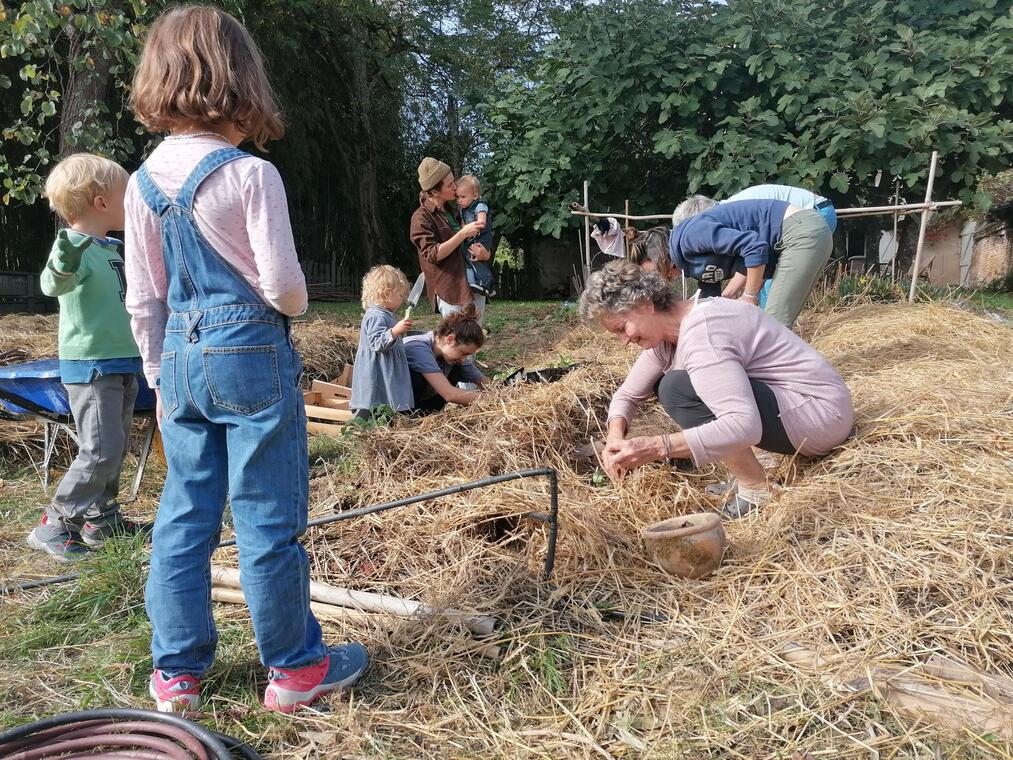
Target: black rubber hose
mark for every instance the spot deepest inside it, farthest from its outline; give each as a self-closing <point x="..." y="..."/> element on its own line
<point x="236" y="746"/>
<point x="221" y="746"/>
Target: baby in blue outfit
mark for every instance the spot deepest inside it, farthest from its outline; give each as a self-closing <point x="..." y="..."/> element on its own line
<point x="474" y="209"/>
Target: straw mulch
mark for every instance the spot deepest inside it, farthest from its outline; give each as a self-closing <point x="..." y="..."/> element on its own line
<point x="325" y="347"/>
<point x="893" y="548"/>
<point x="28" y="336"/>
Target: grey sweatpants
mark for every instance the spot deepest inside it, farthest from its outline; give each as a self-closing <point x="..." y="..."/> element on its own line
<point x="102" y="410"/>
<point x="806" y="244"/>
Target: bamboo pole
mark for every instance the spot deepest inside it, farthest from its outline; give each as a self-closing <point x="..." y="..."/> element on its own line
<point x="857" y="211"/>
<point x="587" y="233"/>
<point x="367" y="601"/>
<point x="326" y="611"/>
<point x="336" y="614"/>
<point x="926" y="213"/>
<point x="896" y="241"/>
<point x="861" y="210"/>
<point x="598" y="214"/>
<point x="626" y="243"/>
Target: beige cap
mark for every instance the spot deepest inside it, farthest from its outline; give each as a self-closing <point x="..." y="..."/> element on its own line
<point x="431" y="172"/>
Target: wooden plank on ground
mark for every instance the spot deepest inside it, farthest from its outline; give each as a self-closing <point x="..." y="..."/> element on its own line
<point x="324" y="428"/>
<point x="320" y="412"/>
<point x="332" y="403"/>
<point x="331" y="390"/>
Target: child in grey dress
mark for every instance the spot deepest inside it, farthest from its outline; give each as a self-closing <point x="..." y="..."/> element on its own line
<point x="381" y="376"/>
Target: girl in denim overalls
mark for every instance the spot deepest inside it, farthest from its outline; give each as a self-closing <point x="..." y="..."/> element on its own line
<point x="212" y="281"/>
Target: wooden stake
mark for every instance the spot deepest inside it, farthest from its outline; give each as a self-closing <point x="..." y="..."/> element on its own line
<point x="926" y="213"/>
<point x="626" y="243"/>
<point x="896" y="241"/>
<point x="587" y="234"/>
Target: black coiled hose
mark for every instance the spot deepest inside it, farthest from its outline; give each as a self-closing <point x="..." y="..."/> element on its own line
<point x="122" y="733"/>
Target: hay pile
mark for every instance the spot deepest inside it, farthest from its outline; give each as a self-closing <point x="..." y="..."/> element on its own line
<point x="895" y="547"/>
<point x="326" y="347"/>
<point x="24" y="337"/>
<point x="28" y="336"/>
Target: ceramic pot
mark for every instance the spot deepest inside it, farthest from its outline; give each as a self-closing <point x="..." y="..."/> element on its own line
<point x="689" y="546"/>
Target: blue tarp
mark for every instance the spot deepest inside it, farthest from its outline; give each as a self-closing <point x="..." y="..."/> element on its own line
<point x="39" y="382"/>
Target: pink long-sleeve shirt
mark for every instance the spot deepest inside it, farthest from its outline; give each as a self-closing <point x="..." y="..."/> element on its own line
<point x="241" y="210"/>
<point x="723" y="343"/>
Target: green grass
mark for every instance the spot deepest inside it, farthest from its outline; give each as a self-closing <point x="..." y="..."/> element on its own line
<point x="107" y="599"/>
<point x="343" y="311"/>
<point x="993" y="300"/>
<point x="552" y="662"/>
<point x="517" y="330"/>
<point x="861" y="288"/>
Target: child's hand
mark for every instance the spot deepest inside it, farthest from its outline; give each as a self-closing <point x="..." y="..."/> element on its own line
<point x="479" y="252"/>
<point x="401" y="328"/>
<point x="471" y="229"/>
<point x="68" y="253"/>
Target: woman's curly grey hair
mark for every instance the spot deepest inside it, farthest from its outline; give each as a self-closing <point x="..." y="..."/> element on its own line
<point x="693" y="205"/>
<point x="622" y="286"/>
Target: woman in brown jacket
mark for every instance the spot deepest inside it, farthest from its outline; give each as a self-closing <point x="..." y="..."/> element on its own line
<point x="438" y="235"/>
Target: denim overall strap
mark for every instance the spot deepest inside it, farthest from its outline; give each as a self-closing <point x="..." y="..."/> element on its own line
<point x="202" y="171"/>
<point x="151" y="194"/>
<point x="199" y="277"/>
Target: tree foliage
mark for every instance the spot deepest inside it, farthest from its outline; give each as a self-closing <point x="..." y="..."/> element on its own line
<point x="652" y="100"/>
<point x="52" y="50"/>
<point x="647" y="99"/>
<point x="368" y="87"/>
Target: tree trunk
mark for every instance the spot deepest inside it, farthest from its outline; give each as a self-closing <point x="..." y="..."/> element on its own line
<point x="85" y="89"/>
<point x="454" y="133"/>
<point x="364" y="150"/>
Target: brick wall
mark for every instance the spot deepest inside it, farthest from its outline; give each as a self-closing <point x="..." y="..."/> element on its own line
<point x="993" y="252"/>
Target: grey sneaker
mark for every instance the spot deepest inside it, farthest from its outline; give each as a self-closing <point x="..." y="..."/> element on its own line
<point x="743" y="501"/>
<point x="720" y="489"/>
<point x="96" y="533"/>
<point x="288" y="690"/>
<point x="56" y="541"/>
<point x="737" y="506"/>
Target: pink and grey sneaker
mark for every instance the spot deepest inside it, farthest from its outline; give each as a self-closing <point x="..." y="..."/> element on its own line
<point x="173" y="695"/>
<point x="56" y="540"/>
<point x="288" y="690"/>
<point x="94" y="534"/>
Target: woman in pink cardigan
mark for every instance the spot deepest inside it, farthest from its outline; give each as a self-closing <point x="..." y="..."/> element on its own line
<point x="729" y="374"/>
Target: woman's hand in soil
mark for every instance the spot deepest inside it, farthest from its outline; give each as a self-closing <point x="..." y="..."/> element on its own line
<point x="608" y="464"/>
<point x="629" y="454"/>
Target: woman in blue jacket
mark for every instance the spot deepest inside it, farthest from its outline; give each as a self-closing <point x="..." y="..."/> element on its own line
<point x="758" y="238"/>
